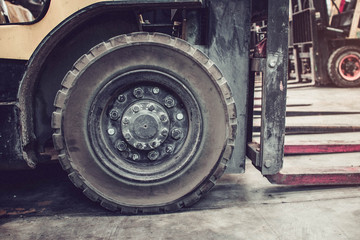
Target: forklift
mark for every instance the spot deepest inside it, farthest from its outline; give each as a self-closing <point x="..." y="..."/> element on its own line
<point x="146" y="103"/>
<point x="325" y="42"/>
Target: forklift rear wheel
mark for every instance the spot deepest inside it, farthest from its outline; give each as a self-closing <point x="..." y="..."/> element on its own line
<point x="344" y="66"/>
<point x="144" y="123"/>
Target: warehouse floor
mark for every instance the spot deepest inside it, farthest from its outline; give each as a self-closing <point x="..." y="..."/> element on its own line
<point x="43" y="204"/>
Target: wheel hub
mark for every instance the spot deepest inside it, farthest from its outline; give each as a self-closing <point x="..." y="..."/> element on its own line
<point x="349" y="67"/>
<point x="145" y="124"/>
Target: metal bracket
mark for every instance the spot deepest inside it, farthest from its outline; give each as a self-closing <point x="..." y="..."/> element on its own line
<point x="274" y="67"/>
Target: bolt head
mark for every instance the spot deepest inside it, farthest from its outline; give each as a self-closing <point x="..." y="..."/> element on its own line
<point x="111" y="131"/>
<point x="139" y="145"/>
<point x="155" y="90"/>
<point x="127" y="136"/>
<point x="267" y="163"/>
<point x="114" y="114"/>
<point x="151" y="107"/>
<point x="121" y="98"/>
<point x="176" y="134"/>
<point x="179" y="116"/>
<point x="164" y="132"/>
<point x="138" y="92"/>
<point x="169" y="102"/>
<point x="163" y="118"/>
<point x="153" y="155"/>
<point x="169" y="149"/>
<point x="126" y="121"/>
<point x="135" y="156"/>
<point x="121" y="146"/>
<point x="154" y="144"/>
<point x="136" y="109"/>
<point x="272" y="63"/>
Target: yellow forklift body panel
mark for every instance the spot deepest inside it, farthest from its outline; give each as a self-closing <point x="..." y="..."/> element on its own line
<point x="21" y="40"/>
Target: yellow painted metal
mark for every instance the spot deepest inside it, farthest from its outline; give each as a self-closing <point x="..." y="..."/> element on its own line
<point x="355" y="30"/>
<point x="20" y="41"/>
<point x="334" y="10"/>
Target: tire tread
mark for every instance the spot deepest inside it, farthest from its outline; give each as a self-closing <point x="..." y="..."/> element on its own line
<point x="119" y="41"/>
<point x="335" y="77"/>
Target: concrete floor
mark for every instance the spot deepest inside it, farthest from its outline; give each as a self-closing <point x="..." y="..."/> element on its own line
<point x="43" y="204"/>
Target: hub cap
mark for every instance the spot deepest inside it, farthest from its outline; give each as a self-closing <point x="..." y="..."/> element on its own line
<point x="140" y="129"/>
<point x="349" y="67"/>
<point x="145" y="124"/>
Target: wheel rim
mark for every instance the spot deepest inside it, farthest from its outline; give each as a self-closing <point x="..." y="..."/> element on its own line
<point x="349" y="67"/>
<point x="140" y="129"/>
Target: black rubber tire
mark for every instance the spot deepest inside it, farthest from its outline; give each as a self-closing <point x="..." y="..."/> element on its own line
<point x="97" y="68"/>
<point x="333" y="66"/>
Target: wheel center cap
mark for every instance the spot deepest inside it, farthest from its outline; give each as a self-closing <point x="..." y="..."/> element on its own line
<point x="145" y="124"/>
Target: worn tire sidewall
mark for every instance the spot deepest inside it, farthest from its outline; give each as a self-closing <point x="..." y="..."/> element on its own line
<point x="115" y="62"/>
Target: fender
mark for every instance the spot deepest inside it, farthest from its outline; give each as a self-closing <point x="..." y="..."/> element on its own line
<point x="30" y="80"/>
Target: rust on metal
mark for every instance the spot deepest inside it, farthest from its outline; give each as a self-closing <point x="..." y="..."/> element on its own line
<point x="343" y="176"/>
<point x="322" y="148"/>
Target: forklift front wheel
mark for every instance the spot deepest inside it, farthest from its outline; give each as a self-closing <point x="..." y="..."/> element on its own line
<point x="344" y="66"/>
<point x="144" y="123"/>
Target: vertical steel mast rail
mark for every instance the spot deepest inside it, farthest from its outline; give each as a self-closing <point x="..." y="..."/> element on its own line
<point x="268" y="156"/>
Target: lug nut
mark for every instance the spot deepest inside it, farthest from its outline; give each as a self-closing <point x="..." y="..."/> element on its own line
<point x="135" y="156"/>
<point x="111" y="131"/>
<point x="154" y="144"/>
<point x="153" y="155"/>
<point x="121" y="98"/>
<point x="163" y="118"/>
<point x="127" y="136"/>
<point x="114" y="114"/>
<point x="121" y="146"/>
<point x="138" y="145"/>
<point x="176" y="134"/>
<point x="169" y="149"/>
<point x="136" y="109"/>
<point x="179" y="116"/>
<point x="138" y="92"/>
<point x="155" y="90"/>
<point x="151" y="107"/>
<point x="164" y="132"/>
<point x="169" y="102"/>
<point x="125" y="121"/>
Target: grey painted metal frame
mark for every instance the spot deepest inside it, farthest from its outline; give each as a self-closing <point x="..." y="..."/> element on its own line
<point x="229" y="38"/>
<point x="269" y="157"/>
